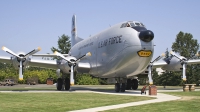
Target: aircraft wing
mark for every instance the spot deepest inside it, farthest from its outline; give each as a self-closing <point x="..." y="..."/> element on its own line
<point x="159" y="64"/>
<point x="47" y="55"/>
<point x="195" y="61"/>
<point x="5" y="59"/>
<point x="44" y="63"/>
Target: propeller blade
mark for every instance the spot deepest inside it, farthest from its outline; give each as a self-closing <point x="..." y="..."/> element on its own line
<point x="89" y="54"/>
<point x="150" y="76"/>
<point x="86" y="55"/>
<point x="158" y="58"/>
<point x="9" y="51"/>
<point x="72" y="76"/>
<point x="33" y="51"/>
<point x="60" y="55"/>
<point x="184" y="72"/>
<point x="20" y="70"/>
<point x="174" y="54"/>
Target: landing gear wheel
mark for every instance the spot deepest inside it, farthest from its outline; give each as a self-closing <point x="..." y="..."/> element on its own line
<point x="67" y="84"/>
<point x="117" y="87"/>
<point x="59" y="84"/>
<point x="135" y="84"/>
<point x="128" y="84"/>
<point x="123" y="86"/>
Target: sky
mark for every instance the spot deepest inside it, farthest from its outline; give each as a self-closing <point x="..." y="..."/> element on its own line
<point x="26" y="24"/>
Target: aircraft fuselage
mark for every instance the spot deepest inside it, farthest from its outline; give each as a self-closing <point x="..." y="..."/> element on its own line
<point x="115" y="52"/>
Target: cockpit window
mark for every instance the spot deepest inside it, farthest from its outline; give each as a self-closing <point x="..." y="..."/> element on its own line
<point x="135" y="25"/>
<point x="138" y="24"/>
<point x="128" y="25"/>
<point x="142" y="24"/>
<point x="123" y="25"/>
<point x="132" y="24"/>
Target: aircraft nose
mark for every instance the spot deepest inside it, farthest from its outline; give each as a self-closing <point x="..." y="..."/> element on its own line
<point x="146" y="35"/>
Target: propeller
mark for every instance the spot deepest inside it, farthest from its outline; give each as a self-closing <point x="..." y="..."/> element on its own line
<point x="151" y="66"/>
<point x="21" y="58"/>
<point x="72" y="63"/>
<point x="183" y="63"/>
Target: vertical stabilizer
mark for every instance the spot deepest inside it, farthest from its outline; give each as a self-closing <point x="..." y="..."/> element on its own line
<point x="74" y="31"/>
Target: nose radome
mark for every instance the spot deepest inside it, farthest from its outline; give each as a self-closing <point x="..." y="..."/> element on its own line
<point x="146" y="35"/>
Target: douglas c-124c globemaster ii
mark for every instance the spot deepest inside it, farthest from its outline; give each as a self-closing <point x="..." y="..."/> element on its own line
<point x="122" y="51"/>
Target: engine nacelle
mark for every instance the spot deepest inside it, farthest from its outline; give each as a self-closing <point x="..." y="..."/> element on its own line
<point x="15" y="62"/>
<point x="83" y="67"/>
<point x="63" y="66"/>
<point x="174" y="64"/>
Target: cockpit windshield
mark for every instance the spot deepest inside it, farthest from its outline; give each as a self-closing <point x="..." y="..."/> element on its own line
<point x="135" y="25"/>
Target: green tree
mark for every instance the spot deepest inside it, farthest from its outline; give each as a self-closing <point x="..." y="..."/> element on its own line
<point x="187" y="46"/>
<point x="64" y="45"/>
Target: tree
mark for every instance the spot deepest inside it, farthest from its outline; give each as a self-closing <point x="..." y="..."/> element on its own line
<point x="186" y="46"/>
<point x="64" y="45"/>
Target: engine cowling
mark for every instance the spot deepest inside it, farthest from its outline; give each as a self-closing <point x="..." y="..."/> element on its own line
<point x="16" y="61"/>
<point x="174" y="64"/>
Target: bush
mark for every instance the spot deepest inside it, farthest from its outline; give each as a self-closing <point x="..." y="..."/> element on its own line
<point x="86" y="79"/>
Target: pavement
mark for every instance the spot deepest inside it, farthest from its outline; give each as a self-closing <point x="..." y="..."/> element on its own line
<point x="160" y="97"/>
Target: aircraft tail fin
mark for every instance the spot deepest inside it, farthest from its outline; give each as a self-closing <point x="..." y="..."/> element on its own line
<point x="74" y="38"/>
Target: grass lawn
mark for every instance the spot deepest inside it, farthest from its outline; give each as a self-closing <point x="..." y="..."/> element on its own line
<point x="60" y="102"/>
<point x="190" y="102"/>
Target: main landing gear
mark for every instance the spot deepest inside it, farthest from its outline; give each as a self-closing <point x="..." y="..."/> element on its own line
<point x="120" y="85"/>
<point x="63" y="83"/>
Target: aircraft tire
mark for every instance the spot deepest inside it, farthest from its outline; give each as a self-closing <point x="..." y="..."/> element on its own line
<point x="123" y="87"/>
<point x="67" y="84"/>
<point x="135" y="84"/>
<point x="59" y="84"/>
<point x="117" y="87"/>
<point x="128" y="84"/>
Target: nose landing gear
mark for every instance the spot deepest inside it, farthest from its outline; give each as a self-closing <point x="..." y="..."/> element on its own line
<point x="131" y="84"/>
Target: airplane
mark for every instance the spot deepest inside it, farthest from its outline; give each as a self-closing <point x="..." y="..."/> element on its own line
<point x="122" y="51"/>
